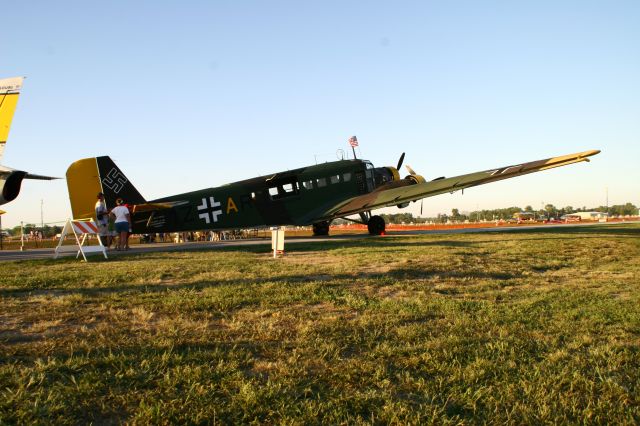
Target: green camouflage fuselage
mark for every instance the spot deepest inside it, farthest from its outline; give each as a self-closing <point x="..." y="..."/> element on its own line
<point x="296" y="197"/>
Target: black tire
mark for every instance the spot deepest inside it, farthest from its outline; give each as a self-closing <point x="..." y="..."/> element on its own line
<point x="321" y="229"/>
<point x="376" y="225"/>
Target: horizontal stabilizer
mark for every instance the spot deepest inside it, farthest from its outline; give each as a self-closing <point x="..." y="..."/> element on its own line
<point x="150" y="207"/>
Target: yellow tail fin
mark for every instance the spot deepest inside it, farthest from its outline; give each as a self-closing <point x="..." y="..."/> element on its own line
<point x="83" y="182"/>
<point x="9" y="92"/>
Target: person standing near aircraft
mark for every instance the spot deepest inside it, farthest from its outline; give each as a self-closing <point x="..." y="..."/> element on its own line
<point x="102" y="220"/>
<point x="130" y="231"/>
<point x="122" y="223"/>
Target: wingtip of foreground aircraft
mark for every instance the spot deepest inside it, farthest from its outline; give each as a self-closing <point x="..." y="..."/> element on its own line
<point x="41" y="177"/>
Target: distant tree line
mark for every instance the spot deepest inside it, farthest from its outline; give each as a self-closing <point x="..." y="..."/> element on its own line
<point x="549" y="211"/>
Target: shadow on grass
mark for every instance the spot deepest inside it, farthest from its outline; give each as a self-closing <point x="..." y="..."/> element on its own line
<point x="403" y="273"/>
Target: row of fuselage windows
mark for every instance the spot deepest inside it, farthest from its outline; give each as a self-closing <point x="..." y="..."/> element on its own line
<point x="322" y="182"/>
<point x="293" y="187"/>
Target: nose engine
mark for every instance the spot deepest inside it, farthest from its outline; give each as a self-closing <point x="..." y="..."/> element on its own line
<point x="389" y="177"/>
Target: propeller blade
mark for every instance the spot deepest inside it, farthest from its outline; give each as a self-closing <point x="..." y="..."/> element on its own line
<point x="411" y="172"/>
<point x="421" y="201"/>
<point x="400" y="161"/>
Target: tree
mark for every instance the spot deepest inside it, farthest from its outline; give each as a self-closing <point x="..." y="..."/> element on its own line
<point x="551" y="210"/>
<point x="627" y="209"/>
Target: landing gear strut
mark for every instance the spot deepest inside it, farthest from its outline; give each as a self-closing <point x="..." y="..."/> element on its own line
<point x="321" y="228"/>
<point x="376" y="225"/>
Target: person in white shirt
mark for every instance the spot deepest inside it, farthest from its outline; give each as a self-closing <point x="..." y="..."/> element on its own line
<point x="122" y="219"/>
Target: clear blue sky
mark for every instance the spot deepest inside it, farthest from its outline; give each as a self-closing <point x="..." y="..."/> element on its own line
<point x="189" y="95"/>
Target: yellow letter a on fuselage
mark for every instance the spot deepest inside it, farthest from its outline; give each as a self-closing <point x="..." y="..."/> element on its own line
<point x="231" y="205"/>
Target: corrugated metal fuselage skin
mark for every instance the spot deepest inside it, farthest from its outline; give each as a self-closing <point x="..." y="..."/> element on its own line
<point x="296" y="197"/>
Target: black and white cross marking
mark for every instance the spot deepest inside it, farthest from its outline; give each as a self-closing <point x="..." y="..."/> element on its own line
<point x="209" y="210"/>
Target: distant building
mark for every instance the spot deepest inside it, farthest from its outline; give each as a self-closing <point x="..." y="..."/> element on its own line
<point x="521" y="216"/>
<point x="591" y="215"/>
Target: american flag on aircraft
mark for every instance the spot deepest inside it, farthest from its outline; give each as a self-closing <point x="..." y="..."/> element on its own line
<point x="353" y="141"/>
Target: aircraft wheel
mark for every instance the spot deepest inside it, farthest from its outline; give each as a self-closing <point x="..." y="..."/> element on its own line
<point x="321" y="229"/>
<point x="376" y="225"/>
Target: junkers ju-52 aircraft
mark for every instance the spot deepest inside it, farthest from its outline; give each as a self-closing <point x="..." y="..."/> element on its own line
<point x="313" y="195"/>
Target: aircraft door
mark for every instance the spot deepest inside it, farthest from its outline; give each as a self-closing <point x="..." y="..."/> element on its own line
<point x="361" y="183"/>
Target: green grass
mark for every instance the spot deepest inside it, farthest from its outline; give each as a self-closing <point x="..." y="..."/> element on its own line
<point x="535" y="326"/>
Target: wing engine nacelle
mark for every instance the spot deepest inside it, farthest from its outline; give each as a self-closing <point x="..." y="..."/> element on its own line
<point x="10" y="185"/>
<point x="415" y="178"/>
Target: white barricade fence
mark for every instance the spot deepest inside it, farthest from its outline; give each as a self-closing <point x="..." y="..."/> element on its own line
<point x="78" y="228"/>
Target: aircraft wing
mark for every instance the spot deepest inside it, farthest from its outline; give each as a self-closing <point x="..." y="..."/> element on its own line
<point x="150" y="207"/>
<point x="39" y="177"/>
<point x="7" y="171"/>
<point x="382" y="197"/>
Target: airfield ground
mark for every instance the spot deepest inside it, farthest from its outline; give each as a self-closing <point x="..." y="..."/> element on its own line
<point x="534" y="326"/>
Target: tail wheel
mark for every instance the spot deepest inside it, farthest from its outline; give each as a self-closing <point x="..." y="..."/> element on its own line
<point x="321" y="228"/>
<point x="376" y="225"/>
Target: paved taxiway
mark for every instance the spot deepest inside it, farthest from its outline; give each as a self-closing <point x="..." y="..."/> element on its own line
<point x="47" y="253"/>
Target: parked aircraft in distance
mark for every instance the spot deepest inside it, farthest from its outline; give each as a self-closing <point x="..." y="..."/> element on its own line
<point x="11" y="179"/>
<point x="313" y="195"/>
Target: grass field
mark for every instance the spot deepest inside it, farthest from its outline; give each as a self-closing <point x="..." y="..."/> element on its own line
<point x="535" y="326"/>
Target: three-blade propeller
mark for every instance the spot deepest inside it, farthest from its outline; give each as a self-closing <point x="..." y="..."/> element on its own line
<point x="413" y="176"/>
<point x="400" y="161"/>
